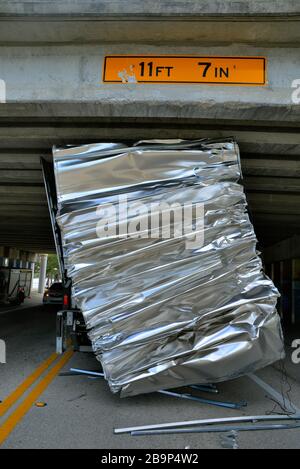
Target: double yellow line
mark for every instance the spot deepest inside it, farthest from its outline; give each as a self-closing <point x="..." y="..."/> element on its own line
<point x="12" y="421"/>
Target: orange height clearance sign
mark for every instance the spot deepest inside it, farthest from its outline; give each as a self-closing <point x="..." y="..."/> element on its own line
<point x="185" y="69"/>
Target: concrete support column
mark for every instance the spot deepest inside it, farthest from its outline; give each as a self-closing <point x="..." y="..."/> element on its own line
<point x="43" y="271"/>
<point x="32" y="280"/>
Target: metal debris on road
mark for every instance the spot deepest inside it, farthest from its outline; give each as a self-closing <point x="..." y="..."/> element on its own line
<point x="228" y="405"/>
<point x="279" y="398"/>
<point x="229" y="440"/>
<point x="205" y="388"/>
<point x="217" y="429"/>
<point x="87" y="372"/>
<point x="218" y="421"/>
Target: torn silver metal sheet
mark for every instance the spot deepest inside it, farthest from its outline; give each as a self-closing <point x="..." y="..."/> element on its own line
<point x="166" y="303"/>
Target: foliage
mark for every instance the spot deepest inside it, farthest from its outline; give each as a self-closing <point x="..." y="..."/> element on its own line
<point x="52" y="267"/>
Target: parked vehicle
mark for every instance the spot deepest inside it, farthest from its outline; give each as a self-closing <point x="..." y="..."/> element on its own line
<point x="54" y="294"/>
<point x="15" y="285"/>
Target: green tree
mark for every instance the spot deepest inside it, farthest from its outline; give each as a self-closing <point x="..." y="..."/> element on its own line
<point x="52" y="268"/>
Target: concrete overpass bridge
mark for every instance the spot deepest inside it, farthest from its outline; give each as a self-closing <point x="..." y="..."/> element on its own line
<point x="51" y="59"/>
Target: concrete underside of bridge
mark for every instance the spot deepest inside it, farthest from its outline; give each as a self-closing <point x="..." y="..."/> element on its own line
<point x="51" y="58"/>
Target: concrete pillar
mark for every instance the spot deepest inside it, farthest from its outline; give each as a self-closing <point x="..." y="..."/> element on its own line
<point x="32" y="280"/>
<point x="43" y="271"/>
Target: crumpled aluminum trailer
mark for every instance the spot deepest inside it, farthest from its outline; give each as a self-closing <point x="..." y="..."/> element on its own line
<point x="165" y="310"/>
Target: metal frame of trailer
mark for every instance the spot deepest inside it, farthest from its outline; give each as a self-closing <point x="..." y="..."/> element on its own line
<point x="70" y="326"/>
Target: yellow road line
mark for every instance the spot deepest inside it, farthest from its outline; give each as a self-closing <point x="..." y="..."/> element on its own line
<point x="27" y="383"/>
<point x="12" y="421"/>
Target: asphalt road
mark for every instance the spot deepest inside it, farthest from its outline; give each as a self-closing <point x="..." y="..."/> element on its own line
<point x="81" y="412"/>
